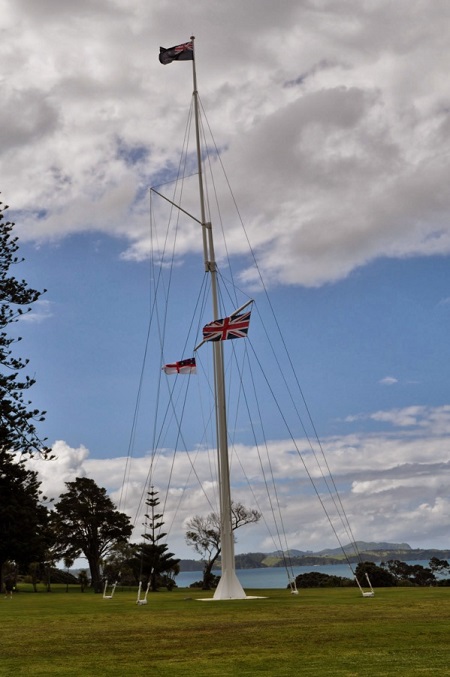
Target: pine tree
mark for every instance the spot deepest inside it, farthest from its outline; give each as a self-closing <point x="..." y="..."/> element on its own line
<point x="157" y="564"/>
<point x="17" y="417"/>
<point x="22" y="516"/>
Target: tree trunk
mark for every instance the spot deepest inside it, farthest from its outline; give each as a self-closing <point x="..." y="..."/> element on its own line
<point x="94" y="568"/>
<point x="49" y="586"/>
<point x="208" y="576"/>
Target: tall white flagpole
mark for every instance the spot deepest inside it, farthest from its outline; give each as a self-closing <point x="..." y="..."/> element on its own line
<point x="229" y="586"/>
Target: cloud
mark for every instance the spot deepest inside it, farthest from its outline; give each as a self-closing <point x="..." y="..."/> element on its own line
<point x="332" y="124"/>
<point x="393" y="487"/>
<point x="37" y="121"/>
<point x="436" y="420"/>
<point x="41" y="310"/>
<point x="388" y="380"/>
<point x="69" y="463"/>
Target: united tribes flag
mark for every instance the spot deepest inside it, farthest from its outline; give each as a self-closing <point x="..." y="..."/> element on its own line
<point x="232" y="327"/>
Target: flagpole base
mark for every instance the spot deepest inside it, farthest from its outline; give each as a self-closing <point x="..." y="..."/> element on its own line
<point x="229" y="587"/>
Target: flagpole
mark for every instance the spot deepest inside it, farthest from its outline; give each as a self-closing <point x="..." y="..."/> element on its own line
<point x="229" y="586"/>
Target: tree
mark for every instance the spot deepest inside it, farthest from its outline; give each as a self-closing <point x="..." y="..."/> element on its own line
<point x="120" y="564"/>
<point x="17" y="417"/>
<point x="203" y="534"/>
<point x="68" y="562"/>
<point x="87" y="522"/>
<point x="412" y="574"/>
<point x="420" y="575"/>
<point x="158" y="565"/>
<point x="51" y="557"/>
<point x="20" y="511"/>
<point x="316" y="579"/>
<point x="24" y="535"/>
<point x="83" y="580"/>
<point x="34" y="571"/>
<point x="439" y="566"/>
<point x="378" y="576"/>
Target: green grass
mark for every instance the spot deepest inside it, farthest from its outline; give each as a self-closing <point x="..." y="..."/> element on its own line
<point x="401" y="631"/>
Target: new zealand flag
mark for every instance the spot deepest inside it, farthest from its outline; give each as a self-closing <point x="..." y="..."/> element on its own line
<point x="178" y="53"/>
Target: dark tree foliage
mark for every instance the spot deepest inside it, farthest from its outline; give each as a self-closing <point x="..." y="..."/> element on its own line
<point x="24" y="533"/>
<point x="412" y="574"/>
<point x="121" y="564"/>
<point x="86" y="521"/>
<point x="157" y="564"/>
<point x="316" y="579"/>
<point x="17" y="416"/>
<point x="37" y="573"/>
<point x="378" y="576"/>
<point x="23" y="530"/>
<point x="203" y="534"/>
<point x="439" y="566"/>
<point x="421" y="575"/>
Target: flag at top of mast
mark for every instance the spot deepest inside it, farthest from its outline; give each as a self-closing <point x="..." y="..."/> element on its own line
<point x="183" y="52"/>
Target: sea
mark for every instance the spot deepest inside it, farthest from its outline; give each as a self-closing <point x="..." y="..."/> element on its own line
<point x="276" y="577"/>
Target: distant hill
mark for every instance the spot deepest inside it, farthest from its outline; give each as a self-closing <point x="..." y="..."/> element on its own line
<point x="251" y="560"/>
<point x="367" y="551"/>
<point x="363" y="546"/>
<point x="191" y="565"/>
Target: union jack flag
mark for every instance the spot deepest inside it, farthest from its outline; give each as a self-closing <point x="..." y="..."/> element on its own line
<point x="232" y="327"/>
<point x="182" y="367"/>
<point x="183" y="52"/>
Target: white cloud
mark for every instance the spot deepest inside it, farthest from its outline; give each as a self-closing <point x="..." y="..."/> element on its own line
<point x="40" y="311"/>
<point x="436" y="420"/>
<point x="333" y="121"/>
<point x="69" y="463"/>
<point x="393" y="487"/>
<point x="389" y="381"/>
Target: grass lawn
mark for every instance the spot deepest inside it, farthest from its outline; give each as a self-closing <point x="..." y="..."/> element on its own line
<point x="401" y="631"/>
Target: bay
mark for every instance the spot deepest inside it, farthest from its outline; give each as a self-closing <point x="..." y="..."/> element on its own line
<point x="276" y="577"/>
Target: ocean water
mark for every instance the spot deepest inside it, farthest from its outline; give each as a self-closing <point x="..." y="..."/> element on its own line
<point x="275" y="577"/>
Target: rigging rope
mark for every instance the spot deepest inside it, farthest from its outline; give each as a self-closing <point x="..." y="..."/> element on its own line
<point x="335" y="496"/>
<point x="162" y="270"/>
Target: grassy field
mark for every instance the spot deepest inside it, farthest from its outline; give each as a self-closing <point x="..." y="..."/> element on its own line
<point x="401" y="631"/>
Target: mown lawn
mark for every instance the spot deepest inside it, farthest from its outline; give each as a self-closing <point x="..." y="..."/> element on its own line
<point x="401" y="631"/>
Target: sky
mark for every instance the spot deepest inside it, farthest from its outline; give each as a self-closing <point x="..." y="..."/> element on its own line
<point x="332" y="120"/>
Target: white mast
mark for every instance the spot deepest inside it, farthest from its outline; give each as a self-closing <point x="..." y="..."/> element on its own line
<point x="229" y="586"/>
